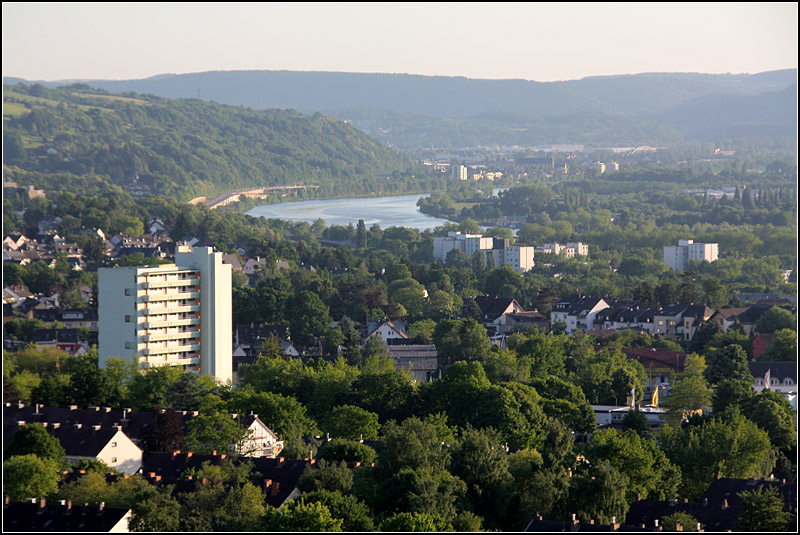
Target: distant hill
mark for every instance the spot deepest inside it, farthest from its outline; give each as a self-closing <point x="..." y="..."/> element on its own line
<point x="548" y="112"/>
<point x="79" y="138"/>
<point x="726" y="115"/>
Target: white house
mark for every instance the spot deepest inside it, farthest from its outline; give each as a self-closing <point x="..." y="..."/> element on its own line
<point x="103" y="443"/>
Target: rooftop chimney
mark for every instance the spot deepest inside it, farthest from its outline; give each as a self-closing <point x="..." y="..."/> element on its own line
<point x="101" y="506"/>
<point x="42" y="504"/>
<point x="275" y="488"/>
<point x="724" y="504"/>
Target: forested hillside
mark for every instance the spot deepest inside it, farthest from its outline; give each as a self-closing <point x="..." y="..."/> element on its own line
<point x="412" y="111"/>
<point x="86" y="140"/>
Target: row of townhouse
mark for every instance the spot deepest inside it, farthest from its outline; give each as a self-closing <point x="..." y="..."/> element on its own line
<point x="678" y="320"/>
<point x="134" y="425"/>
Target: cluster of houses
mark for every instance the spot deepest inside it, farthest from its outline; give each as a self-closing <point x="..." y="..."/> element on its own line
<point x="718" y="510"/>
<point x="118" y="439"/>
<point x="604" y="316"/>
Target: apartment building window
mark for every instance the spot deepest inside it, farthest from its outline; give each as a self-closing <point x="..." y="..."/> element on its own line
<point x="128" y="345"/>
<point x="127" y="319"/>
<point x="113" y="459"/>
<point x="127" y="291"/>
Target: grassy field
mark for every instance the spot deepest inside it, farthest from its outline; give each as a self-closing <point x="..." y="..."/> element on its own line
<point x="19" y="97"/>
<point x="112" y="97"/>
<point x="13" y="109"/>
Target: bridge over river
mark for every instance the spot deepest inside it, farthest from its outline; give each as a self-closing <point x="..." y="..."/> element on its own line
<point x="221" y="199"/>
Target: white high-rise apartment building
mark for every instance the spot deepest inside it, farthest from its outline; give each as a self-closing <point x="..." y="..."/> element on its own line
<point x="676" y="256"/>
<point x="520" y="258"/>
<point x="459" y="172"/>
<point x="169" y="315"/>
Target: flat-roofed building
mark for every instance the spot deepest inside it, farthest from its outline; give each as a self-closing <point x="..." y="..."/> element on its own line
<point x="169" y="315"/>
<point x="676" y="256"/>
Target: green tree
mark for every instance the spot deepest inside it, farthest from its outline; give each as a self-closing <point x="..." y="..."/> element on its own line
<point x="340" y="449"/>
<point x="416" y="444"/>
<point x="772" y="413"/>
<point x="479" y="458"/>
<point x="782" y="348"/>
<point x="687" y="522"/>
<point x="597" y="492"/>
<point x="353" y="423"/>
<point x="763" y="511"/>
<point x="733" y="446"/>
<point x="308" y="317"/>
<point x="34" y="439"/>
<point x="647" y="469"/>
<point x="775" y="319"/>
<point x="28" y="476"/>
<point x="215" y="431"/>
<point x="332" y="476"/>
<point x="355" y="516"/>
<point x="729" y="362"/>
<point x="409" y="522"/>
<point x="690" y="392"/>
<point x="462" y="340"/>
<point x="214" y="506"/>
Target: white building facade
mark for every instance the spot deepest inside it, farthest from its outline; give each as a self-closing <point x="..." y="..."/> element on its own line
<point x="518" y="257"/>
<point x="676" y="256"/>
<point x="169" y="315"/>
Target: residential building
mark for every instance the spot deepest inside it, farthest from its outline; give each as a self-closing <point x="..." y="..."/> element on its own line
<point x="518" y="257"/>
<point x="760" y="344"/>
<point x="570" y="250"/>
<point x="676" y="256"/>
<point x="660" y="365"/>
<point x="459" y="172"/>
<point x="612" y="415"/>
<point x="169" y="315"/>
<point x="493" y="307"/>
<point x="782" y="377"/>
<point x="278" y="477"/>
<point x="107" y="443"/>
<point x="577" y="313"/>
<point x="520" y="321"/>
<point x="421" y="360"/>
<point x="386" y="329"/>
<point x="36" y="515"/>
<point x="718" y="509"/>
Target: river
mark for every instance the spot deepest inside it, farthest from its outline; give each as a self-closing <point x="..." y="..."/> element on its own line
<point x="396" y="211"/>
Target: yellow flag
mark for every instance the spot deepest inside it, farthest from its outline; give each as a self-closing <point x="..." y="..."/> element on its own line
<point x="654" y="402"/>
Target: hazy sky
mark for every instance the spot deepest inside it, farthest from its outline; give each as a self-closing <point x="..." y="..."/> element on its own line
<point x="532" y="41"/>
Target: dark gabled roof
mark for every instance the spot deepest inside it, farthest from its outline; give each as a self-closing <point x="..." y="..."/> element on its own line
<point x="528" y="317"/>
<point x="78" y="314"/>
<point x="285" y="472"/>
<point x="726" y="488"/>
<point x="539" y="525"/>
<point x="83" y="441"/>
<point x="492" y="306"/>
<point x="777" y="370"/>
<point x="730" y="313"/>
<point x="412" y="351"/>
<point x="134" y="424"/>
<point x="751" y="315"/>
<point x="712" y="516"/>
<point x="255" y="334"/>
<point x="31" y="517"/>
<point x="671" y="310"/>
<point x="718" y="508"/>
<point x="657" y="358"/>
<point x="698" y="311"/>
<point x="61" y="336"/>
